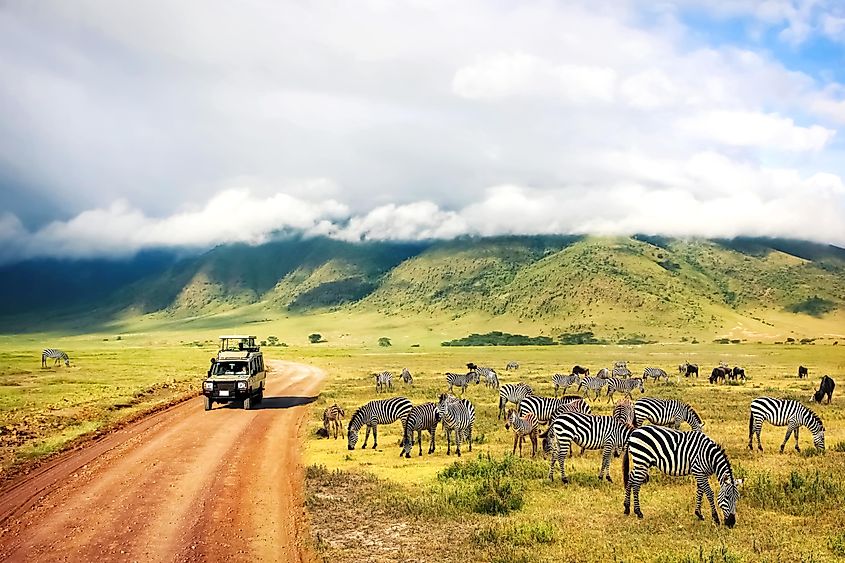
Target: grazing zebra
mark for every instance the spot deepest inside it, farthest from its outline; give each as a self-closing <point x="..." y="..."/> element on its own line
<point x="680" y="453"/>
<point x="512" y="365"/>
<point x="406" y="376"/>
<point x="564" y="381"/>
<point x="384" y="381"/>
<point x="522" y="426"/>
<point x="594" y="384"/>
<point x="626" y="386"/>
<point x="546" y="408"/>
<point x="458" y="415"/>
<point x="591" y="433"/>
<point x="655" y="374"/>
<point x="422" y="417"/>
<point x="489" y="375"/>
<point x="620" y="371"/>
<point x="784" y="412"/>
<point x="333" y="416"/>
<point x="603" y="373"/>
<point x="665" y="412"/>
<point x="461" y="380"/>
<point x="381" y="411"/>
<point x="56" y="355"/>
<point x="624" y="413"/>
<point x="512" y="393"/>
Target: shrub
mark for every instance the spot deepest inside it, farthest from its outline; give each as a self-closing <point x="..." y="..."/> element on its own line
<point x="498" y="338"/>
<point x="315" y="338"/>
<point x="384" y="342"/>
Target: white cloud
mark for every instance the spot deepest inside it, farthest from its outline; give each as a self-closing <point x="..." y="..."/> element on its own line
<point x="751" y="129"/>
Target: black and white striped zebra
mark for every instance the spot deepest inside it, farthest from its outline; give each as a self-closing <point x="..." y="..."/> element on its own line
<point x="594" y="384"/>
<point x="784" y="412"/>
<point x="512" y="393"/>
<point x="680" y="453"/>
<point x="623" y="411"/>
<point x="547" y="408"/>
<point x="625" y="386"/>
<point x="384" y="381"/>
<point x="421" y="417"/>
<point x="381" y="411"/>
<point x="512" y="365"/>
<point x="591" y="433"/>
<point x="655" y="374"/>
<point x="564" y="381"/>
<point x="462" y="380"/>
<point x="406" y="377"/>
<point x="522" y="426"/>
<point x="458" y="415"/>
<point x="54" y="354"/>
<point x="666" y="412"/>
<point x="489" y="375"/>
<point x="620" y="371"/>
<point x="333" y="420"/>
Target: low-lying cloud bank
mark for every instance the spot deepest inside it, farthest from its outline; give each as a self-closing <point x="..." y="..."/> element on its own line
<point x="773" y="203"/>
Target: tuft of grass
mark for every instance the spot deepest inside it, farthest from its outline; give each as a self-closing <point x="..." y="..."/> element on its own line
<point x="800" y="493"/>
<point x="838" y="447"/>
<point x="518" y="535"/>
<point x="837" y="544"/>
<point x="719" y="554"/>
<point x="490" y="467"/>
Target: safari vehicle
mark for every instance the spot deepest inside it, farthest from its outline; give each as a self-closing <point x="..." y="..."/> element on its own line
<point x="236" y="374"/>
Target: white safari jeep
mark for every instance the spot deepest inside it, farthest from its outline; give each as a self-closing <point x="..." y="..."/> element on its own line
<point x="236" y="374"/>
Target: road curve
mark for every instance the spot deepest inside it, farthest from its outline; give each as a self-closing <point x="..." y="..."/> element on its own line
<point x="180" y="485"/>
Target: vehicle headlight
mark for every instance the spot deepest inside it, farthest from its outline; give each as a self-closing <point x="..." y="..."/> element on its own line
<point x="241" y="384"/>
<point x="208" y="385"/>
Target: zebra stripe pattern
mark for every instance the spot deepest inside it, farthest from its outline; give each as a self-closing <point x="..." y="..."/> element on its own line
<point x="594" y="384"/>
<point x="666" y="412"/>
<point x="565" y="381"/>
<point x="620" y="372"/>
<point x="333" y="418"/>
<point x="680" y="453"/>
<point x="384" y="381"/>
<point x="784" y="412"/>
<point x="458" y="415"/>
<point x="489" y="375"/>
<point x="591" y="433"/>
<point x="461" y="380"/>
<point x="545" y="409"/>
<point x="626" y="386"/>
<point x="382" y="411"/>
<point x="522" y="427"/>
<point x="54" y="354"/>
<point x="512" y="365"/>
<point x="422" y="417"/>
<point x="406" y="376"/>
<point x="512" y="393"/>
<point x="624" y="413"/>
<point x="655" y="374"/>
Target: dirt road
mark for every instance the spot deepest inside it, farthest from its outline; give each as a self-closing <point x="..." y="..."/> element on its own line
<point x="179" y="485"/>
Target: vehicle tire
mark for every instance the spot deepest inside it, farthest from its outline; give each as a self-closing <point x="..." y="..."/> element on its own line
<point x="260" y="396"/>
<point x="208" y="402"/>
<point x="247" y="403"/>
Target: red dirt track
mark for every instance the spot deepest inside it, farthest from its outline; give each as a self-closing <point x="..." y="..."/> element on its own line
<point x="180" y="485"/>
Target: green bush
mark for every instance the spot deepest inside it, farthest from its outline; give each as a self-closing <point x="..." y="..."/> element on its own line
<point x="498" y="338"/>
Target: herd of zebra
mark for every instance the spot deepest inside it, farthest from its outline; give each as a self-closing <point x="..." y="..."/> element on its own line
<point x="569" y="420"/>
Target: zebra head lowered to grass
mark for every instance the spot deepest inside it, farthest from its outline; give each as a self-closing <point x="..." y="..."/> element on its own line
<point x="54" y="354"/>
<point x="784" y="412"/>
<point x="594" y="384"/>
<point x="680" y="453"/>
<point x="381" y="411"/>
<point x="421" y="417"/>
<point x="406" y="377"/>
<point x="458" y="415"/>
<point x="666" y="412"/>
<point x="489" y="375"/>
<point x="655" y="374"/>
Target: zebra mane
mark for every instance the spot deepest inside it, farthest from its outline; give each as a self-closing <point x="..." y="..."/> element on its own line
<point x="357" y="418"/>
<point x="693" y="413"/>
<point x="721" y="452"/>
<point x="813" y="416"/>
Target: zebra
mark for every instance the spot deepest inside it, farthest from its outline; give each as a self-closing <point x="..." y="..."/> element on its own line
<point x="522" y="427"/>
<point x="603" y="373"/>
<point x="512" y="365"/>
<point x="546" y="408"/>
<point x="666" y="412"/>
<point x="655" y="374"/>
<point x="512" y="393"/>
<point x="591" y="433"/>
<point x="54" y="354"/>
<point x="680" y="453"/>
<point x="626" y="386"/>
<point x="620" y="364"/>
<point x="564" y="381"/>
<point x="381" y="411"/>
<point x="333" y="417"/>
<point x="594" y="384"/>
<point x="784" y="412"/>
<point x="620" y="371"/>
<point x="421" y="417"/>
<point x="384" y="381"/>
<point x="624" y="413"/>
<point x="458" y="415"/>
<point x="406" y="376"/>
<point x="462" y="380"/>
<point x="491" y="378"/>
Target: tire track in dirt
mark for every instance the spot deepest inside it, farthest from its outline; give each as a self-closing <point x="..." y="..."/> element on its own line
<point x="180" y="485"/>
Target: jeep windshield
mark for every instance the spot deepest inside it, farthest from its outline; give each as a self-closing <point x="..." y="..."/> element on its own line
<point x="227" y="367"/>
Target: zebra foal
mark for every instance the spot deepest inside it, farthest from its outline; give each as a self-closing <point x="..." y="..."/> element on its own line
<point x="333" y="418"/>
<point x="384" y="381"/>
<point x="522" y="426"/>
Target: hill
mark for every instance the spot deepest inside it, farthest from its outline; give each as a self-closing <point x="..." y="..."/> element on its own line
<point x="617" y="288"/>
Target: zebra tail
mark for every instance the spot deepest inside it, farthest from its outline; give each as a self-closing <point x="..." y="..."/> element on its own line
<point x="626" y="466"/>
<point x="750" y="425"/>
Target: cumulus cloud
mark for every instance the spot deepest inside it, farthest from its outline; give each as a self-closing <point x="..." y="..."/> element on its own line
<point x="756" y="130"/>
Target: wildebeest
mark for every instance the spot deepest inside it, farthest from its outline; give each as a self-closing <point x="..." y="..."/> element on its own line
<point x="826" y="388"/>
<point x="690" y="369"/>
<point x="578" y="370"/>
<point x="736" y="373"/>
<point x="719" y="373"/>
<point x="802" y="372"/>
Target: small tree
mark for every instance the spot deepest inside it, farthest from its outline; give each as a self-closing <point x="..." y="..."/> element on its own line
<point x="384" y="341"/>
<point x="315" y="338"/>
<point x="272" y="341"/>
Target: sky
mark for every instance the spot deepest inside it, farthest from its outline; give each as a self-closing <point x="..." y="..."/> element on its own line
<point x="133" y="125"/>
